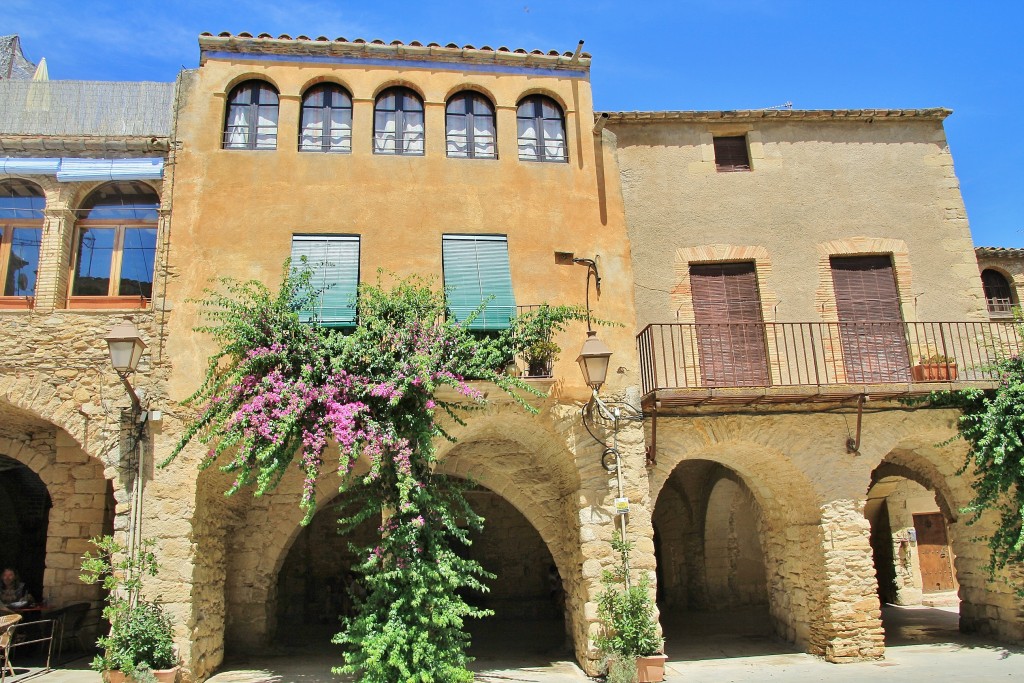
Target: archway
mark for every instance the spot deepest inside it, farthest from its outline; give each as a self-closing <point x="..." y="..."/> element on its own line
<point x="912" y="545"/>
<point x="24" y="517"/>
<point x="711" y="551"/>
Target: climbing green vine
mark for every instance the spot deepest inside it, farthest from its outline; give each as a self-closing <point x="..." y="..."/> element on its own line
<point x="992" y="423"/>
<point x="278" y="392"/>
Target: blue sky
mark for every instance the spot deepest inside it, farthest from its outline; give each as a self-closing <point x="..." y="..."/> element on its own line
<point x="681" y="54"/>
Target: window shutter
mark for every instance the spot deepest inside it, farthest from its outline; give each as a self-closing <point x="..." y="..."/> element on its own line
<point x="334" y="260"/>
<point x="731" y="153"/>
<point x="476" y="268"/>
<point x="870" y="319"/>
<point x="730" y="330"/>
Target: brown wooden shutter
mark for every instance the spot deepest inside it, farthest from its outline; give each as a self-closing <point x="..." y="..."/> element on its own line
<point x="730" y="330"/>
<point x="870" y="320"/>
<point x="731" y="153"/>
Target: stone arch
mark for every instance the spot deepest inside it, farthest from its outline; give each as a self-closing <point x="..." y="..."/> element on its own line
<point x="792" y="535"/>
<point x="81" y="497"/>
<point x="925" y="457"/>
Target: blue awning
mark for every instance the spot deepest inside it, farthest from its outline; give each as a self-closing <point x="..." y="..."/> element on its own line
<point x="29" y="166"/>
<point x="70" y="170"/>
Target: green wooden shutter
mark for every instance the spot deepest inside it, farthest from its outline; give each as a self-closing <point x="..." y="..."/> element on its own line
<point x="334" y="260"/>
<point x="476" y="268"/>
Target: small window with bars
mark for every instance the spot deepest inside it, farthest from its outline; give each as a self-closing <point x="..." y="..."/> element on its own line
<point x="333" y="261"/>
<point x="998" y="293"/>
<point x="731" y="153"/>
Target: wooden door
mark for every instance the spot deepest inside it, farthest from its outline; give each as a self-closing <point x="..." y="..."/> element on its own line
<point x="730" y="329"/>
<point x="870" y="321"/>
<point x="933" y="553"/>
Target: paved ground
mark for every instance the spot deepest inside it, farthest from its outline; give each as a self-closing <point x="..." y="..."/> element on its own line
<point x="923" y="645"/>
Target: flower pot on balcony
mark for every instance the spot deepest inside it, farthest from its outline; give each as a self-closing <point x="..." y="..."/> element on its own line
<point x="934" y="372"/>
<point x="650" y="669"/>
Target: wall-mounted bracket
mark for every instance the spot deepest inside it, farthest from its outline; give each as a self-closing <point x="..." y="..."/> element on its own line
<point x="853" y="443"/>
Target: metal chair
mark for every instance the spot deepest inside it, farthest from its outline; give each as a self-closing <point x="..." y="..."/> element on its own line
<point x="7" y="623"/>
<point x="69" y="620"/>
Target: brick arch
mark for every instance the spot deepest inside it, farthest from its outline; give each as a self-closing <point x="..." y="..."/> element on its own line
<point x="682" y="293"/>
<point x="825" y="295"/>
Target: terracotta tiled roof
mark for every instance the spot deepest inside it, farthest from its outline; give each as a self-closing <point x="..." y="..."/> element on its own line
<point x="936" y="114"/>
<point x="1006" y="252"/>
<point x="396" y="49"/>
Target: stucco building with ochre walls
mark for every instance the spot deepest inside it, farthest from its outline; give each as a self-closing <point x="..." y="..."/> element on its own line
<point x="780" y="277"/>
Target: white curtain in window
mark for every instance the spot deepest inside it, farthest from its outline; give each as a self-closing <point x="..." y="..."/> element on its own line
<point x="384" y="132"/>
<point x="341" y="130"/>
<point x="312" y="128"/>
<point x="413" y="131"/>
<point x="554" y="139"/>
<point x="238" y="126"/>
<point x="456" y="135"/>
<point x="483" y="136"/>
<point x="528" y="139"/>
<point x="266" y="127"/>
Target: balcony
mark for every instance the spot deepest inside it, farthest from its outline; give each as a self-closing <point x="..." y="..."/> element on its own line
<point x="685" y="365"/>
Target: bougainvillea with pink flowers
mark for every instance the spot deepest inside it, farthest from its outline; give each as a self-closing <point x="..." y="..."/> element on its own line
<point x="279" y="393"/>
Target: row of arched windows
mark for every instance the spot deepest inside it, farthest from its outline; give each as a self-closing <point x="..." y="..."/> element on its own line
<point x="114" y="247"/>
<point x="398" y="123"/>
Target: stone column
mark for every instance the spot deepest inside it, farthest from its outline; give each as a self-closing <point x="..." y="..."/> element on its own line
<point x="851" y="627"/>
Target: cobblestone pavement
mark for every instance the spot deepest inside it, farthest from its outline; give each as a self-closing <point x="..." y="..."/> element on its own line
<point x="923" y="644"/>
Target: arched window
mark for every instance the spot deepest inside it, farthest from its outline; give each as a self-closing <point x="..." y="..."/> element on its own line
<point x="326" y="120"/>
<point x="251" y="121"/>
<point x="541" y="130"/>
<point x="469" y="126"/>
<point x="998" y="292"/>
<point x="115" y="246"/>
<point x="21" y="236"/>
<point x="398" y="123"/>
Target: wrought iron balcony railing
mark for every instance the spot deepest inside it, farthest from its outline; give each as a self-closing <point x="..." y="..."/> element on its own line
<point x="822" y="355"/>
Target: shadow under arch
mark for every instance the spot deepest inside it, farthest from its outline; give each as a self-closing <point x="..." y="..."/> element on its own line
<point x="786" y="510"/>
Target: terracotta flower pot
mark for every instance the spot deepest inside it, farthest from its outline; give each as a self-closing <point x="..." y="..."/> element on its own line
<point x="163" y="676"/>
<point x="651" y="669"/>
<point x="934" y="372"/>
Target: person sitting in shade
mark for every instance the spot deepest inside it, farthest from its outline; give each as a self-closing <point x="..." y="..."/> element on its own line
<point x="12" y="590"/>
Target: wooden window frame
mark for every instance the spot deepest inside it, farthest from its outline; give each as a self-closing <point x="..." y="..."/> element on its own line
<point x="252" y="132"/>
<point x="724" y="165"/>
<point x="469" y="116"/>
<point x="112" y="299"/>
<point x="7" y="227"/>
<point x="538" y="125"/>
<point x="401" y="93"/>
<point x="329" y="89"/>
<point x="999" y="306"/>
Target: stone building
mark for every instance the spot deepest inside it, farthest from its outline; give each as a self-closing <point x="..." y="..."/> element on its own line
<point x="1002" y="276"/>
<point x="778" y="276"/>
<point x="83" y="210"/>
<point x="799" y="272"/>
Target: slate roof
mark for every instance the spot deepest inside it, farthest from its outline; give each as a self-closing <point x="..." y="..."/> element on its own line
<point x="13" y="65"/>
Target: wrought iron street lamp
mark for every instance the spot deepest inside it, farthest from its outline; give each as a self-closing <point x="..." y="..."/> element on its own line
<point x="126" y="348"/>
<point x="593" y="359"/>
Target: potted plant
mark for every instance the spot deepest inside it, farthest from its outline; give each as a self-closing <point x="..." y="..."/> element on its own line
<point x="935" y="368"/>
<point x="140" y="645"/>
<point x="629" y="641"/>
<point x="539" y="356"/>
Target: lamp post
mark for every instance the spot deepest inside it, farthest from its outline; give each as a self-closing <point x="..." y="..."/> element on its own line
<point x="126" y="347"/>
<point x="594" y="359"/>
